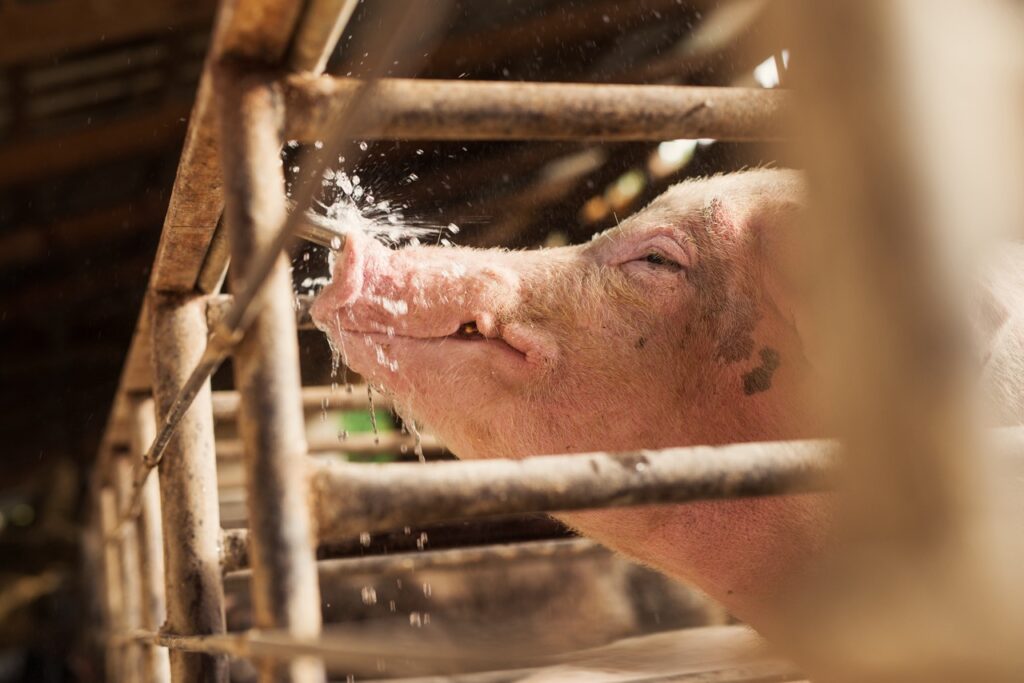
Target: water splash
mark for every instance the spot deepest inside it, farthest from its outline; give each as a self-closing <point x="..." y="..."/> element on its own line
<point x="373" y="414"/>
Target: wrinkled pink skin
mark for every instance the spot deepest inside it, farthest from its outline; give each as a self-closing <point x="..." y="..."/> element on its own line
<point x="592" y="348"/>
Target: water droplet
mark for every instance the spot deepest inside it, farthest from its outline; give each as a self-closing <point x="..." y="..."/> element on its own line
<point x="363" y="146"/>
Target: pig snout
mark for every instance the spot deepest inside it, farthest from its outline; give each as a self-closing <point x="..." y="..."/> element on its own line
<point x="420" y="292"/>
<point x="406" y="302"/>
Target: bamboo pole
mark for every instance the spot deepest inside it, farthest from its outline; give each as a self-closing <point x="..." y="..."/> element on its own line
<point x="113" y="597"/>
<point x="355" y="444"/>
<point x="188" y="488"/>
<point x="225" y="403"/>
<point x="131" y="582"/>
<point x="917" y="589"/>
<point x="285" y="591"/>
<point x="153" y="605"/>
<point x="351" y="499"/>
<point x="490" y="110"/>
<point x="488" y="555"/>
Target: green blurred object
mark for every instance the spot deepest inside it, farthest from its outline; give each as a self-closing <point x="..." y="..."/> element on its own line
<point x="361" y="422"/>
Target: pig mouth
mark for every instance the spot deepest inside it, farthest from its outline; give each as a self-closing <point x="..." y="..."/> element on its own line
<point x="468" y="331"/>
<point x="465" y="332"/>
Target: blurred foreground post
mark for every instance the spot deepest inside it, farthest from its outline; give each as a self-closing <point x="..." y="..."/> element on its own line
<point x="912" y="154"/>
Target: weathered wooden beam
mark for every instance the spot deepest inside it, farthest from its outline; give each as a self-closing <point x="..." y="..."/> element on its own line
<point x="491" y="110"/>
<point x="256" y="30"/>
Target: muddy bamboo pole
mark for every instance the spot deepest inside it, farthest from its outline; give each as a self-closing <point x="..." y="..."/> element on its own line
<point x="150" y="542"/>
<point x="113" y="597"/>
<point x="188" y="487"/>
<point x="354" y="499"/>
<point x="285" y="591"/>
<point x="485" y="110"/>
<point x="131" y="588"/>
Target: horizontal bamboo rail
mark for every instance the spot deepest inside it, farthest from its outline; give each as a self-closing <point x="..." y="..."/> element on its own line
<point x="726" y="653"/>
<point x="225" y="403"/>
<point x="501" y="530"/>
<point x="490" y="110"/>
<point x="363" y="443"/>
<point x="461" y="558"/>
<point x="352" y="499"/>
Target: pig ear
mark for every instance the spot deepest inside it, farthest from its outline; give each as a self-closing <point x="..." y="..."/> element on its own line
<point x="788" y="284"/>
<point x="784" y="257"/>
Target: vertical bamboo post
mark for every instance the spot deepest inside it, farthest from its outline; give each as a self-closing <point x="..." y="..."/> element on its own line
<point x="285" y="591"/>
<point x="150" y="543"/>
<point x="128" y="555"/>
<point x="903" y="203"/>
<point x="113" y="598"/>
<point x="188" y="488"/>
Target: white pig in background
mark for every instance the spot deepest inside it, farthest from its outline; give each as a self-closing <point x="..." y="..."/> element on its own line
<point x="678" y="327"/>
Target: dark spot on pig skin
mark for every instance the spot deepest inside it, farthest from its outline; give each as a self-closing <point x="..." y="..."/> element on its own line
<point x="760" y="378"/>
<point x="640" y="343"/>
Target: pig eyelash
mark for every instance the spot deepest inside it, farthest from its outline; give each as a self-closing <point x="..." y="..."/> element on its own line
<point x="658" y="259"/>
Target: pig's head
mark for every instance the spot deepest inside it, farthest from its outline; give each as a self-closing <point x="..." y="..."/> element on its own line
<point x="659" y="332"/>
<point x="674" y="328"/>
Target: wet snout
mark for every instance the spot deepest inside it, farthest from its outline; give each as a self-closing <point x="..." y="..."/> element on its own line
<point x="421" y="292"/>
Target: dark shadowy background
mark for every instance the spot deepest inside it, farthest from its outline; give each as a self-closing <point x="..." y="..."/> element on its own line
<point x="94" y="102"/>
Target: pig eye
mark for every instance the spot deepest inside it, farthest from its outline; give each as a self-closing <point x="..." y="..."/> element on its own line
<point x="661" y="260"/>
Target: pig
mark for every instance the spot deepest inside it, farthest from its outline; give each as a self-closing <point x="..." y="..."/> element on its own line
<point x="675" y="328"/>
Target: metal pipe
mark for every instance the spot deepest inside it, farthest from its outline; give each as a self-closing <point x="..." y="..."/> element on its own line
<point x="131" y="589"/>
<point x="188" y="487"/>
<point x="352" y="499"/>
<point x="285" y="591"/>
<point x="153" y="605"/>
<point x="218" y="305"/>
<point x="490" y="110"/>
